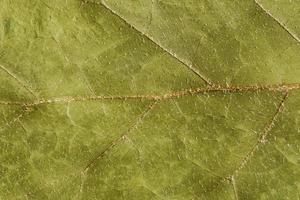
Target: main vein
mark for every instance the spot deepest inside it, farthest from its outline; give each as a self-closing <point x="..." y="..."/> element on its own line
<point x="171" y="95"/>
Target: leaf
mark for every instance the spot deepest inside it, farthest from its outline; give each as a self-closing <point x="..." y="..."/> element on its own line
<point x="149" y="99"/>
<point x="285" y="13"/>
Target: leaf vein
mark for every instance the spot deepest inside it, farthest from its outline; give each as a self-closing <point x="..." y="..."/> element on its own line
<point x="152" y="40"/>
<point x="263" y="137"/>
<point x="122" y="137"/>
<point x="167" y="96"/>
<point x="27" y="88"/>
<point x="15" y="119"/>
<point x="280" y="23"/>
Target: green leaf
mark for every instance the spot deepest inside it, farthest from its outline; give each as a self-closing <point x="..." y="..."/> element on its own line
<point x="149" y="99"/>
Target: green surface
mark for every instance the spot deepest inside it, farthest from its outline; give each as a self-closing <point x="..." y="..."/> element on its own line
<point x="285" y="12"/>
<point x="148" y="99"/>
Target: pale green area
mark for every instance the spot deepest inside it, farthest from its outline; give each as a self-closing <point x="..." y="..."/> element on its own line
<point x="65" y="48"/>
<point x="183" y="148"/>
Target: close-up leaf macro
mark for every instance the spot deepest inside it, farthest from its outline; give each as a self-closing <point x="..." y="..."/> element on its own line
<point x="149" y="99"/>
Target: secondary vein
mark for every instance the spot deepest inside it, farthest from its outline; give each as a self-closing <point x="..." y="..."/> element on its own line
<point x="293" y="35"/>
<point x="18" y="80"/>
<point x="152" y="40"/>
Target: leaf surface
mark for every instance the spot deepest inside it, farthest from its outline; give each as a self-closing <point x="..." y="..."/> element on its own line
<point x="149" y="99"/>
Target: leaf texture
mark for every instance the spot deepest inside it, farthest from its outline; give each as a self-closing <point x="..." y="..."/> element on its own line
<point x="149" y="99"/>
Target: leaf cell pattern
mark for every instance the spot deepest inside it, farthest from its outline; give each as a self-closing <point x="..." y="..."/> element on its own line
<point x="102" y="100"/>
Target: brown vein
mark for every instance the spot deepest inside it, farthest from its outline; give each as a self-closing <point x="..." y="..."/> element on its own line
<point x="18" y="80"/>
<point x="172" y="95"/>
<point x="293" y="35"/>
<point x="263" y="137"/>
<point x="121" y="138"/>
<point x="152" y="40"/>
